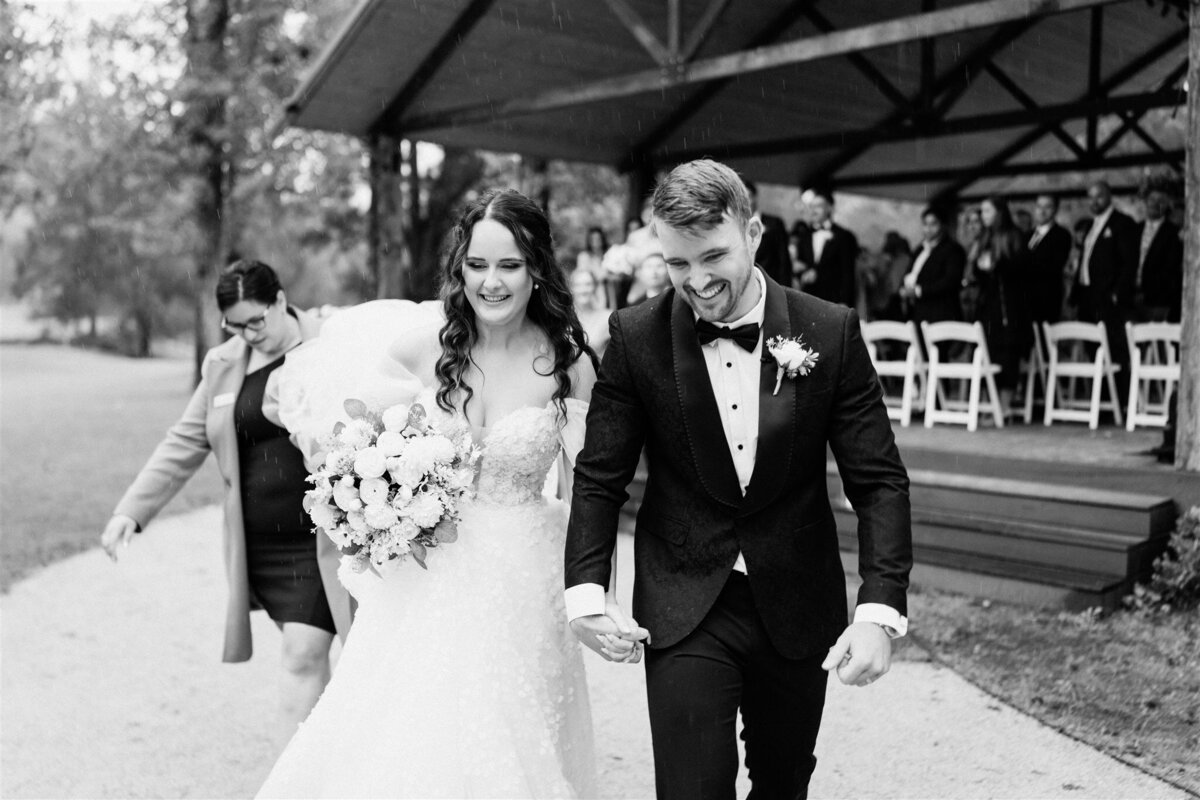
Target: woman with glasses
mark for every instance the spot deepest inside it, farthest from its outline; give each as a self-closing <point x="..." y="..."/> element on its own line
<point x="273" y="561"/>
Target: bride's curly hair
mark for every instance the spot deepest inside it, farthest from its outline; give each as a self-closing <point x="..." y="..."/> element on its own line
<point x="551" y="307"/>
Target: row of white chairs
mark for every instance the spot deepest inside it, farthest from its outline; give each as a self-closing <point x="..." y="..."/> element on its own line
<point x="1064" y="356"/>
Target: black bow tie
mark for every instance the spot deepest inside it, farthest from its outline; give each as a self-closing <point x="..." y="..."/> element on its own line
<point x="744" y="336"/>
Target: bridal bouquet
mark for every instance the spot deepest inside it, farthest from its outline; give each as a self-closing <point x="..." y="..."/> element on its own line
<point x="390" y="485"/>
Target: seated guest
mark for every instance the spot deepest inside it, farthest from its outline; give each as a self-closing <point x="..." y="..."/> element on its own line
<point x="1158" y="284"/>
<point x="1049" y="255"/>
<point x="827" y="258"/>
<point x="931" y="288"/>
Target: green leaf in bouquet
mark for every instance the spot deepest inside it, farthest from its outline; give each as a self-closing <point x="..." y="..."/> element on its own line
<point x="417" y="417"/>
<point x="418" y="553"/>
<point x="355" y="409"/>
<point x="446" y="532"/>
<point x="338" y="427"/>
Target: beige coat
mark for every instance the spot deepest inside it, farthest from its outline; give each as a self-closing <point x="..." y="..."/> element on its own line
<point x="207" y="425"/>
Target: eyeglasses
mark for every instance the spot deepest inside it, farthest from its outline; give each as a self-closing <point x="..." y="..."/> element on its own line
<point x="254" y="324"/>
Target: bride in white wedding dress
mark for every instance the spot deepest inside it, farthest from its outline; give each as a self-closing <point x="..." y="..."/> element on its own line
<point x="465" y="680"/>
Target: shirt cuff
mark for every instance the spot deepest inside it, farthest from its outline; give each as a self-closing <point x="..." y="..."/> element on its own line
<point x="584" y="600"/>
<point x="885" y="616"/>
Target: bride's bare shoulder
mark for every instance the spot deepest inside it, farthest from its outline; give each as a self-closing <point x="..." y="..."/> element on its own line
<point x="418" y="350"/>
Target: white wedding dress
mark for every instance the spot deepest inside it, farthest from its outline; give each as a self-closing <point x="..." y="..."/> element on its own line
<point x="465" y="680"/>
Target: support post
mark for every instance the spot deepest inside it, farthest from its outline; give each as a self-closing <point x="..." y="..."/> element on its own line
<point x="1187" y="435"/>
<point x="385" y="257"/>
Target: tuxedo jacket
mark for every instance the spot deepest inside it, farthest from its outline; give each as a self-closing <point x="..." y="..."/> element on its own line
<point x="772" y="254"/>
<point x="1162" y="272"/>
<point x="1047" y="262"/>
<point x="940" y="281"/>
<point x="654" y="390"/>
<point x="836" y="267"/>
<point x="1113" y="265"/>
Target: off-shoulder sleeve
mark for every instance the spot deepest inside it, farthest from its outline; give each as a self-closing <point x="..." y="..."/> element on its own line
<point x="573" y="428"/>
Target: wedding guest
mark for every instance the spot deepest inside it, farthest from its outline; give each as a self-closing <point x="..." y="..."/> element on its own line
<point x="591" y="257"/>
<point x="1024" y="222"/>
<point x="972" y="237"/>
<point x="589" y="307"/>
<point x="622" y="260"/>
<point x="772" y="253"/>
<point x="1079" y="232"/>
<point x="884" y="281"/>
<point x="272" y="559"/>
<point x="651" y="279"/>
<point x="1049" y="254"/>
<point x="1002" y="269"/>
<point x="931" y="288"/>
<point x="828" y="257"/>
<point x="1158" y="287"/>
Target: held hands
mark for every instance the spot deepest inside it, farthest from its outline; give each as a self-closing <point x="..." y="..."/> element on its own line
<point x="613" y="635"/>
<point x="861" y="655"/>
<point x="119" y="530"/>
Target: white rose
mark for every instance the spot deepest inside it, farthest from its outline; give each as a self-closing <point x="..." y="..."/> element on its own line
<point x="370" y="463"/>
<point x="390" y="443"/>
<point x="357" y="521"/>
<point x="406" y="472"/>
<point x="403" y="495"/>
<point x="324" y="516"/>
<point x="440" y="450"/>
<point x="373" y="491"/>
<point x="322" y="492"/>
<point x="395" y="419"/>
<point x="791" y="355"/>
<point x="407" y="530"/>
<point x="333" y="459"/>
<point x="345" y="495"/>
<point x="380" y="517"/>
<point x="425" y="510"/>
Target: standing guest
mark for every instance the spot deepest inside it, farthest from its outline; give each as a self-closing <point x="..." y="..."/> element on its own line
<point x="622" y="260"/>
<point x="1049" y="255"/>
<point x="591" y="257"/>
<point x="1104" y="285"/>
<point x="972" y="238"/>
<point x="589" y="307"/>
<point x="931" y="288"/>
<point x="272" y="559"/>
<point x="1158" y="285"/>
<point x="829" y="255"/>
<point x="1024" y="222"/>
<point x="773" y="254"/>
<point x="1001" y="270"/>
<point x="887" y="279"/>
<point x="651" y="279"/>
<point x="1079" y="232"/>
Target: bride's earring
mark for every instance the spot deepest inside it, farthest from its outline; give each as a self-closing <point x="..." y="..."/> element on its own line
<point x="535" y="286"/>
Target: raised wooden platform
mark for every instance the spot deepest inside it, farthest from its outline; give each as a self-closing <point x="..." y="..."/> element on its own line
<point x="1043" y="543"/>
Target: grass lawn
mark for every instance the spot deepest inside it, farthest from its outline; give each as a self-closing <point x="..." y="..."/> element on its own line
<point x="1127" y="685"/>
<point x="75" y="427"/>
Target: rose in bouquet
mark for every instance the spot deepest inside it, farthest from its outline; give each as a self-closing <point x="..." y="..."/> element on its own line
<point x="390" y="485"/>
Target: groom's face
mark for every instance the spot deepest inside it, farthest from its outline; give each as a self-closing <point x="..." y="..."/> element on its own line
<point x="713" y="270"/>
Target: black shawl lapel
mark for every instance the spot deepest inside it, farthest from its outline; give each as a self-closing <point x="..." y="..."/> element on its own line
<point x="701" y="418"/>
<point x="776" y="413"/>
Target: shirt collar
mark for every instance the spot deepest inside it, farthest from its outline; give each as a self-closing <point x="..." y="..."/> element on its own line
<point x="1102" y="220"/>
<point x="1045" y="227"/>
<point x="754" y="316"/>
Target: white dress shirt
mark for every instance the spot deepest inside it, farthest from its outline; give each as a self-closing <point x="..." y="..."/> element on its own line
<point x="1149" y="231"/>
<point x="914" y="274"/>
<point x="820" y="237"/>
<point x="1085" y="272"/>
<point x="1040" y="234"/>
<point x="735" y="375"/>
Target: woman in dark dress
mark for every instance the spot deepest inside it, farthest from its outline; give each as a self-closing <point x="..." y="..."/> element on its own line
<point x="1001" y="270"/>
<point x="273" y="560"/>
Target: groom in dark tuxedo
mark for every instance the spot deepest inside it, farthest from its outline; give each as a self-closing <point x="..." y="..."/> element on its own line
<point x="738" y="576"/>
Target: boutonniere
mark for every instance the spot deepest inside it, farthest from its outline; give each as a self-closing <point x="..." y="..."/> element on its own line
<point x="1107" y="233"/>
<point x="792" y="358"/>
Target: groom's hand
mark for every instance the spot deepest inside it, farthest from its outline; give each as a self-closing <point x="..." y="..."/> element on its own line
<point x="861" y="655"/>
<point x="613" y="635"/>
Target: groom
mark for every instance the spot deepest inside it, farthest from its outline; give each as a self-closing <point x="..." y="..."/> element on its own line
<point x="739" y="580"/>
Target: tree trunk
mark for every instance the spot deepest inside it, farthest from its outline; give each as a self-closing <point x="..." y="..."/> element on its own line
<point x="1187" y="437"/>
<point x="206" y="93"/>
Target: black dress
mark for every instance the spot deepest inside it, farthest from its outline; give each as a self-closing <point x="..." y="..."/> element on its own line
<point x="281" y="549"/>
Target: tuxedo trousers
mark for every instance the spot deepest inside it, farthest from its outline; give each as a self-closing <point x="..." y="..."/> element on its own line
<point x="695" y="689"/>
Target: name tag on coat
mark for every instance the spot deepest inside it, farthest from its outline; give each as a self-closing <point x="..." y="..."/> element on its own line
<point x="222" y="400"/>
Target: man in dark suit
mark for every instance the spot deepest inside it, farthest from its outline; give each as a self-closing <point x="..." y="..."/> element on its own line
<point x="1107" y="270"/>
<point x="1158" y="282"/>
<point x="931" y="287"/>
<point x="829" y="255"/>
<point x="738" y="576"/>
<point x="1049" y="252"/>
<point x="773" y="252"/>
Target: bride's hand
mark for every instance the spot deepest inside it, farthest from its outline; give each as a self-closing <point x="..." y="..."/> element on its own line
<point x="120" y="529"/>
<point x="613" y="635"/>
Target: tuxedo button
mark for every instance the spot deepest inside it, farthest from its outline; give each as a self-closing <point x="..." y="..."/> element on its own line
<point x="735" y="406"/>
<point x="741" y="447"/>
<point x="729" y="363"/>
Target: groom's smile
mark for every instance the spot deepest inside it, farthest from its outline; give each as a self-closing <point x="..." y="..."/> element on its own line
<point x="713" y="270"/>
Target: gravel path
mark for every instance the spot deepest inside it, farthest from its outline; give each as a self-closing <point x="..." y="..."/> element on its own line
<point x="112" y="687"/>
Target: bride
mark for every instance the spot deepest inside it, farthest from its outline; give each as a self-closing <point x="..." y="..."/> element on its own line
<point x="465" y="680"/>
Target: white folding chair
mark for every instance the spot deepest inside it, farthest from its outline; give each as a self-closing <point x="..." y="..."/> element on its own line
<point x="979" y="373"/>
<point x="1067" y="344"/>
<point x="1035" y="372"/>
<point x="1153" y="363"/>
<point x="911" y="368"/>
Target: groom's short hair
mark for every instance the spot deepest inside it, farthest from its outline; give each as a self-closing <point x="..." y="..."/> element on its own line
<point x="699" y="193"/>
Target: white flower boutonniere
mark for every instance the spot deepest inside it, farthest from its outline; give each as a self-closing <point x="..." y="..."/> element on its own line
<point x="792" y="358"/>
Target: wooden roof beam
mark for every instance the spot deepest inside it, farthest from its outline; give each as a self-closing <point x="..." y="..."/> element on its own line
<point x="702" y="28"/>
<point x="634" y="23"/>
<point x="1022" y="97"/>
<point x="1130" y="119"/>
<point x="1008" y="170"/>
<point x="432" y="63"/>
<point x="981" y="14"/>
<point x="863" y="64"/>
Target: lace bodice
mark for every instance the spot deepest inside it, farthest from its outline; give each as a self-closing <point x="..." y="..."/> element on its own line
<point x="518" y="449"/>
